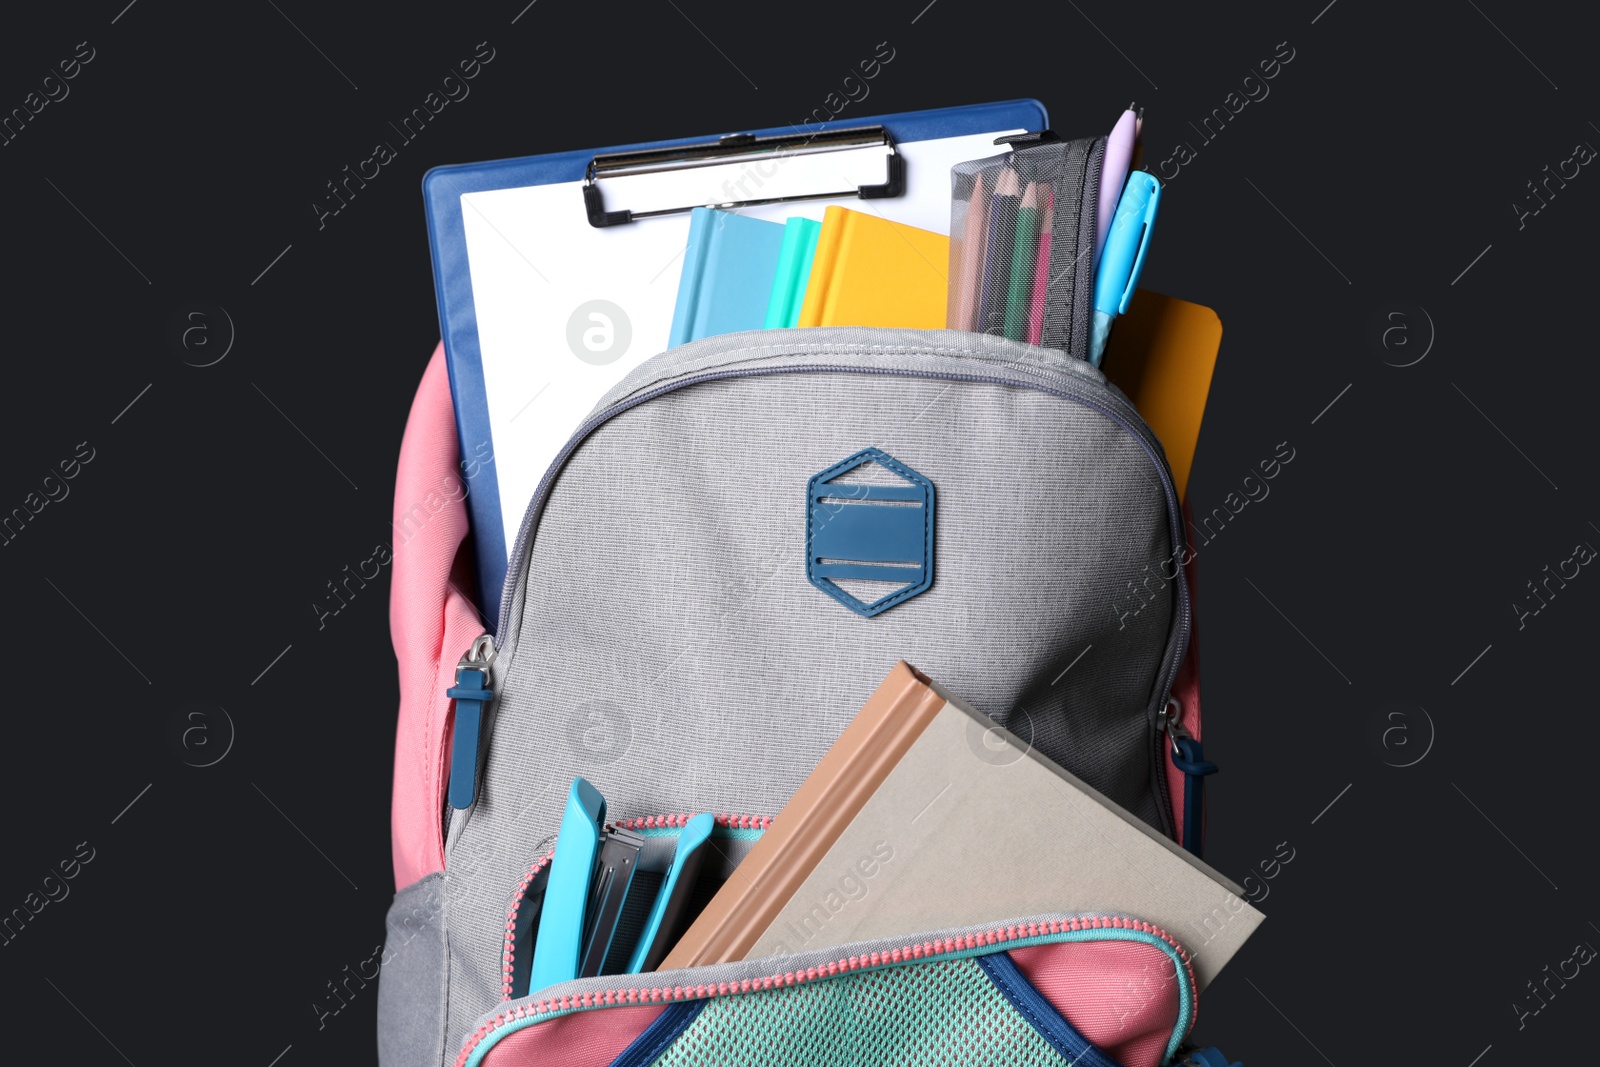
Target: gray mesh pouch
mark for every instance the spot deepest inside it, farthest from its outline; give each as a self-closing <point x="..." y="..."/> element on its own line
<point x="1001" y="209"/>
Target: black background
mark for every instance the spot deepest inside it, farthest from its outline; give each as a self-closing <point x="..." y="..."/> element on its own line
<point x="1379" y="175"/>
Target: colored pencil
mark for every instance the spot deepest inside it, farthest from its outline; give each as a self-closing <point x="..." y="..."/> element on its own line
<point x="1024" y="263"/>
<point x="965" y="277"/>
<point x="1002" y="228"/>
<point x="1041" y="269"/>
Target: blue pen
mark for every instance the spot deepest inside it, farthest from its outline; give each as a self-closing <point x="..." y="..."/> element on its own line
<point x="1117" y="273"/>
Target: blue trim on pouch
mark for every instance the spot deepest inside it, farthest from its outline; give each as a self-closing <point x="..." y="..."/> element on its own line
<point x="873" y="532"/>
<point x="668" y="1027"/>
<point x="1062" y="1035"/>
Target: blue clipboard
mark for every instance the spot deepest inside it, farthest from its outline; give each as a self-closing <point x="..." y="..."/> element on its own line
<point x="442" y="188"/>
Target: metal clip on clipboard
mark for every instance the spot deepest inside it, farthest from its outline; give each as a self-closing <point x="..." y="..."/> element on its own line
<point x="743" y="169"/>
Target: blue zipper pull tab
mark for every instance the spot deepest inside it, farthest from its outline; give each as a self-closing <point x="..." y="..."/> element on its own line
<point x="471" y="694"/>
<point x="1190" y="759"/>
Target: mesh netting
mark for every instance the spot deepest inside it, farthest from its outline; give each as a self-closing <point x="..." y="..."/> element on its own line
<point x="944" y="1014"/>
<point x="1022" y="237"/>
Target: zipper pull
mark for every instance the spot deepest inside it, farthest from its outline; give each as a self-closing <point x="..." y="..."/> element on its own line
<point x="471" y="694"/>
<point x="1190" y="759"/>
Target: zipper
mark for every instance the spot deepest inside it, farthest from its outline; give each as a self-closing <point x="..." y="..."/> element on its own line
<point x="1188" y="757"/>
<point x="1106" y="403"/>
<point x="472" y="695"/>
<point x="508" y="955"/>
<point x="1015" y="935"/>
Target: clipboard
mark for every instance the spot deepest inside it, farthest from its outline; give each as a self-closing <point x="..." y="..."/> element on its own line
<point x="618" y="175"/>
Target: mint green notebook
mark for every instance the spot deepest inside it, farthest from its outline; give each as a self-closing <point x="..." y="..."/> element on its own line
<point x="794" y="271"/>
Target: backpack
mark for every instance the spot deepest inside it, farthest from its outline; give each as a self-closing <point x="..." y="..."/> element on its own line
<point x="687" y="576"/>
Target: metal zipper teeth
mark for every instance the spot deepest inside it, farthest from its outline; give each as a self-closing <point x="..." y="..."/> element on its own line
<point x="905" y="954"/>
<point x="1124" y="417"/>
<point x="508" y="954"/>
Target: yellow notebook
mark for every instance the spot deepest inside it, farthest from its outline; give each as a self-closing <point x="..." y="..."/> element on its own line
<point x="869" y="271"/>
<point x="1161" y="355"/>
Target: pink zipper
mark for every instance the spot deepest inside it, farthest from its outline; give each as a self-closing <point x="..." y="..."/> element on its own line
<point x="649" y="822"/>
<point x="668" y="994"/>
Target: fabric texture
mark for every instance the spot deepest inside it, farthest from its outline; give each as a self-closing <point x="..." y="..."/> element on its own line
<point x="431" y="618"/>
<point x="576" y="1040"/>
<point x="662" y="640"/>
<point x="946" y="1014"/>
<point x="1121" y="995"/>
<point x="838" y="1004"/>
<point x="412" y="986"/>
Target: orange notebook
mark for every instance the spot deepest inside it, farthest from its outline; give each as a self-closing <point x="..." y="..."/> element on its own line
<point x="869" y="271"/>
<point x="1162" y="355"/>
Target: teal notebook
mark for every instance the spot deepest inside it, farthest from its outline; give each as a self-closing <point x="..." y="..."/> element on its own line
<point x="727" y="275"/>
<point x="794" y="271"/>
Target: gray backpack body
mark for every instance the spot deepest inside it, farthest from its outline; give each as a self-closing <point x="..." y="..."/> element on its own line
<point x="737" y="546"/>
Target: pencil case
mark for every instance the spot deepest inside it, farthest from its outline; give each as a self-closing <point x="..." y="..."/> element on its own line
<point x="679" y="628"/>
<point x="1022" y="238"/>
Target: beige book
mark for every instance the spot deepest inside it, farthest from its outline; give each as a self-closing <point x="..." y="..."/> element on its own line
<point x="971" y="826"/>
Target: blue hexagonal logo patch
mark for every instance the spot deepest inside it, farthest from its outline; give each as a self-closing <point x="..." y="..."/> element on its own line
<point x="869" y="532"/>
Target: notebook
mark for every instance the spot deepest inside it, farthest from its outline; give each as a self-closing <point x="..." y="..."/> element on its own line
<point x="926" y="815"/>
<point x="794" y="272"/>
<point x="1162" y="355"/>
<point x="869" y="271"/>
<point x="728" y="269"/>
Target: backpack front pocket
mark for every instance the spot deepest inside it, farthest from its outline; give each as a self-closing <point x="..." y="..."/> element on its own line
<point x="1101" y="991"/>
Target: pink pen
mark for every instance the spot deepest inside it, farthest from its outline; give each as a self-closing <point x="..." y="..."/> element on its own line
<point x="1114" y="172"/>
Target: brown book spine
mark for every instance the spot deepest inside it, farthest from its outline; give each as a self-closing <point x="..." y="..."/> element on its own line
<point x="836" y="790"/>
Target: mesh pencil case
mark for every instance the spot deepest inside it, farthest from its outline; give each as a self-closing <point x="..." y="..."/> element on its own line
<point x="1022" y="241"/>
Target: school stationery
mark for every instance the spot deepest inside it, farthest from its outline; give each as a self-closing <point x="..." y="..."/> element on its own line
<point x="609" y="886"/>
<point x="566" y="902"/>
<point x="925" y="809"/>
<point x="998" y="247"/>
<point x="1119" y="156"/>
<point x="819" y="811"/>
<point x="986" y="259"/>
<point x="973" y="825"/>
<point x="542" y="311"/>
<point x="1117" y="274"/>
<point x="794" y="272"/>
<point x="1162" y="358"/>
<point x="1024" y="264"/>
<point x="728" y="269"/>
<point x="671" y="908"/>
<point x="869" y="271"/>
